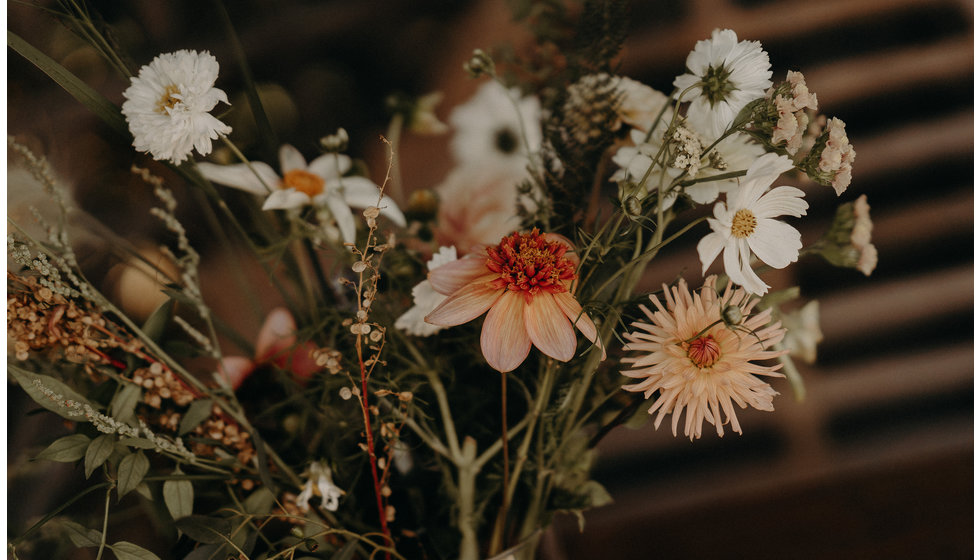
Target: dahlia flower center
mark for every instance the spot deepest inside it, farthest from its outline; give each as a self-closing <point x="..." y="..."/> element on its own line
<point x="303" y="181"/>
<point x="743" y="223"/>
<point x="703" y="351"/>
<point x="169" y="99"/>
<point x="529" y="263"/>
<point x="716" y="84"/>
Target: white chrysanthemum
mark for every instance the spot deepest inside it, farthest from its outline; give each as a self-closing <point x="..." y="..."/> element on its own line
<point x="426" y="299"/>
<point x="640" y="104"/>
<point x="693" y="360"/>
<point x="487" y="128"/>
<point x="167" y="105"/>
<point x="321" y="183"/>
<point x="728" y="74"/>
<point x="744" y="225"/>
<point x="320" y="483"/>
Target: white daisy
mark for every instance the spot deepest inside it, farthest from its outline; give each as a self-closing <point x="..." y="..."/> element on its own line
<point x="321" y="183"/>
<point x="744" y="225"/>
<point x="167" y="105"/>
<point x="728" y="74"/>
<point x="426" y="299"/>
<point x="487" y="128"/>
<point x="320" y="483"/>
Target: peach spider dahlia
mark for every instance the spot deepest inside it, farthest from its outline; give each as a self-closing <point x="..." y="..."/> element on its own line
<point x="523" y="285"/>
<point x="697" y="359"/>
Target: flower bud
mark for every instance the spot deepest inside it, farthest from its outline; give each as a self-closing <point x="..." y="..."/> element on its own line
<point x="335" y="143"/>
<point x="479" y="64"/>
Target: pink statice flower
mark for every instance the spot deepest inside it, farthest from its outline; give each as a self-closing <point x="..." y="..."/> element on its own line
<point x="523" y="284"/>
<point x="699" y="353"/>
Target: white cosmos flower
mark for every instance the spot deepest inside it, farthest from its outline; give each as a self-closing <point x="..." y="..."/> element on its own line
<point x="744" y="225"/>
<point x="426" y="299"/>
<point x="321" y="183"/>
<point x="319" y="483"/>
<point x="729" y="74"/>
<point x="167" y="105"/>
<point x="487" y="128"/>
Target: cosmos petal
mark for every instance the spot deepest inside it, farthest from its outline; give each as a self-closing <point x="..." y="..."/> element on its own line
<point x="504" y="340"/>
<point x="466" y="304"/>
<point x="775" y="243"/>
<point x="708" y="249"/>
<point x="548" y="327"/>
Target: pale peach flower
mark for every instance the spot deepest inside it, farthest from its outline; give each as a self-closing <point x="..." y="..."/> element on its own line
<point x="477" y="206"/>
<point x="699" y="351"/>
<point x="276" y="344"/>
<point x="523" y="284"/>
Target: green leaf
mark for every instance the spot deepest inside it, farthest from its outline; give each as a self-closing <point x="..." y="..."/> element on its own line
<point x="198" y="412"/>
<point x="132" y="469"/>
<point x="597" y="493"/>
<point x="123" y="405"/>
<point x="179" y="497"/>
<point x="143" y="489"/>
<point x="259" y="502"/>
<point x="67" y="449"/>
<point x="81" y="91"/>
<point x="137" y="442"/>
<point x="156" y="323"/>
<point x="98" y="451"/>
<point x="81" y="536"/>
<point x="203" y="529"/>
<point x="44" y="389"/>
<point x="129" y="551"/>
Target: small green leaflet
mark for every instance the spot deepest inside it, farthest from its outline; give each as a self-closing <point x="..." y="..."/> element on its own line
<point x="67" y="449"/>
<point x="98" y="451"/>
<point x="132" y="469"/>
<point x="129" y="551"/>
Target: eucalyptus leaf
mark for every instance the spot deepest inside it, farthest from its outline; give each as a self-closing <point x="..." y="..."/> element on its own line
<point x="123" y="405"/>
<point x="98" y="451"/>
<point x="204" y="529"/>
<point x="132" y="469"/>
<point x="81" y="536"/>
<point x="129" y="551"/>
<point x="179" y="497"/>
<point x="81" y="91"/>
<point x="29" y="382"/>
<point x="198" y="412"/>
<point x="67" y="449"/>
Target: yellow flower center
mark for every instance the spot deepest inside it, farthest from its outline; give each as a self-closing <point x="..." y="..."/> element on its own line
<point x="304" y="182"/>
<point x="168" y="100"/>
<point x="743" y="224"/>
<point x="704" y="351"/>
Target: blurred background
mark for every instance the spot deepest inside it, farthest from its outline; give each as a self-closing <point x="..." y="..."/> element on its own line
<point x="876" y="462"/>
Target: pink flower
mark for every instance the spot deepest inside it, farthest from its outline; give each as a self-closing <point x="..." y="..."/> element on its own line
<point x="523" y="284"/>
<point x="276" y="345"/>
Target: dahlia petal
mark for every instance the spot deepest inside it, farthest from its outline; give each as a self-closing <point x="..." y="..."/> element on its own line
<point x="452" y="276"/>
<point x="290" y="159"/>
<point x="466" y="304"/>
<point x="258" y="178"/>
<point x="548" y="327"/>
<point x="571" y="308"/>
<point x="504" y="340"/>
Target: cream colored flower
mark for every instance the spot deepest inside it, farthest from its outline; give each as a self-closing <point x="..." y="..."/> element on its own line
<point x="690" y="357"/>
<point x="803" y="331"/>
<point x="425" y="299"/>
<point x="319" y="483"/>
<point x="497" y="127"/>
<point x="167" y="106"/>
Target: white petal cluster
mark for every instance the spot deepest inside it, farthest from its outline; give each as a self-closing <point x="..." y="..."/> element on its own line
<point x="426" y="298"/>
<point x="727" y="75"/>
<point x="320" y="483"/>
<point x="167" y="106"/>
<point x="497" y="127"/>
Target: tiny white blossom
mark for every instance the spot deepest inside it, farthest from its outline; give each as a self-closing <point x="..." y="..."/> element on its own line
<point x="426" y="299"/>
<point x="803" y="331"/>
<point x="167" y="106"/>
<point x="744" y="225"/>
<point x="319" y="483"/>
<point x="321" y="183"/>
<point x="727" y="75"/>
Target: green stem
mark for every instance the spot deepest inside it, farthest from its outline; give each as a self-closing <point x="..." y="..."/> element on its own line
<point x="105" y="521"/>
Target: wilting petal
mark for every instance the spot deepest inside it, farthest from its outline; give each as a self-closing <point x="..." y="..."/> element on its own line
<point x="504" y="340"/>
<point x="464" y="305"/>
<point x="277" y="334"/>
<point x="571" y="308"/>
<point x="548" y="327"/>
<point x="257" y="179"/>
<point x="290" y="159"/>
<point x="454" y="275"/>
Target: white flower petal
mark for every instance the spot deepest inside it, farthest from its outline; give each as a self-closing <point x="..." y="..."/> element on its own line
<point x="290" y="159"/>
<point x="775" y="243"/>
<point x="286" y="198"/>
<point x="360" y="192"/>
<point x="257" y="179"/>
<point x="341" y="214"/>
<point x="330" y="166"/>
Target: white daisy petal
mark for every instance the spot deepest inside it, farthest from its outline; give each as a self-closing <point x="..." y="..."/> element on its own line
<point x="257" y="179"/>
<point x="341" y="214"/>
<point x="284" y="199"/>
<point x="775" y="243"/>
<point x="290" y="159"/>
<point x="330" y="166"/>
<point x="360" y="192"/>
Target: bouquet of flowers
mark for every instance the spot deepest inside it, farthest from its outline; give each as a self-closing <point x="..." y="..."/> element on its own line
<point x="434" y="369"/>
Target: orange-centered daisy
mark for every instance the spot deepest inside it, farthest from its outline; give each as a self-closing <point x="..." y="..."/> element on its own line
<point x="522" y="284"/>
<point x="692" y="358"/>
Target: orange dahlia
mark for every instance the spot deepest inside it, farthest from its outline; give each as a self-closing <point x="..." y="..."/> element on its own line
<point x="524" y="285"/>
